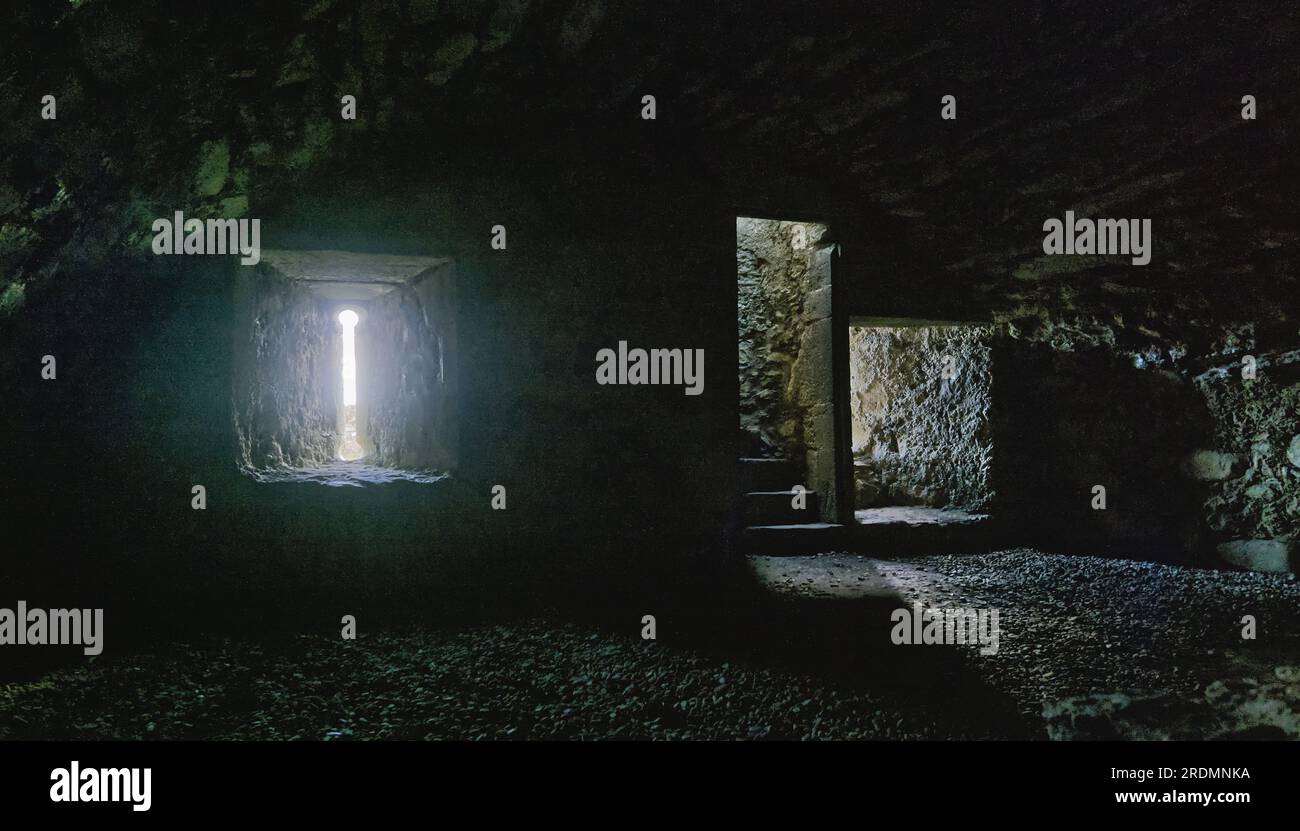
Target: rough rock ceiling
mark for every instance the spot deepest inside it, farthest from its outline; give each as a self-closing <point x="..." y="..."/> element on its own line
<point x="1099" y="108"/>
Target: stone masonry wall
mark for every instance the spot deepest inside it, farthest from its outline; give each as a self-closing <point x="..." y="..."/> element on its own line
<point x="284" y="408"/>
<point x="774" y="270"/>
<point x="407" y="366"/>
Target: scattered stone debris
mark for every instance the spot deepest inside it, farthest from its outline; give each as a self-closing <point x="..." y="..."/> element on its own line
<point x="1100" y="646"/>
<point x="1233" y="709"/>
<point x="531" y="680"/>
<point x="1089" y="648"/>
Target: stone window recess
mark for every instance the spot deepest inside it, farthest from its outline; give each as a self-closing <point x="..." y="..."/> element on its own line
<point x="297" y="413"/>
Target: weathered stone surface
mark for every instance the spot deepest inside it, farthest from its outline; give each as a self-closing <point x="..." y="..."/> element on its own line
<point x="411" y="360"/>
<point x="1256" y="419"/>
<point x="450" y="57"/>
<point x="311" y="145"/>
<point x="382" y="270"/>
<point x="12" y="298"/>
<point x="299" y="64"/>
<point x="818" y="305"/>
<point x="284" y="379"/>
<point x="502" y="24"/>
<point x="213" y="168"/>
<point x="1257" y="555"/>
<point x="1210" y="465"/>
<point x="289" y="359"/>
<point x="775" y="283"/>
<point x="1238" y="708"/>
<point x="918" y="437"/>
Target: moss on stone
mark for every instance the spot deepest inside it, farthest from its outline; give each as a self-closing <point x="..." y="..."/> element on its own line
<point x="503" y="23"/>
<point x="213" y="168"/>
<point x="299" y="65"/>
<point x="450" y="57"/>
<point x="312" y="145"/>
<point x="234" y="207"/>
<point x="12" y="298"/>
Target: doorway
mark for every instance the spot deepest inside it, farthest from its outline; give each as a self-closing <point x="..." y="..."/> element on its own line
<point x="920" y="397"/>
<point x="787" y="346"/>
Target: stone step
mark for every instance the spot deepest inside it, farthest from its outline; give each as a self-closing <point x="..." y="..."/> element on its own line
<point x="886" y="539"/>
<point x="880" y="539"/>
<point x="795" y="539"/>
<point x="768" y="475"/>
<point x="775" y="508"/>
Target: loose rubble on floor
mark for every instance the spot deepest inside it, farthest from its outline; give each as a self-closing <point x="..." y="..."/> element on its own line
<point x="1089" y="648"/>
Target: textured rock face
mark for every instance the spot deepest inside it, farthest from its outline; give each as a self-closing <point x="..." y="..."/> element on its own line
<point x="288" y="381"/>
<point x="1255" y="419"/>
<point x="767" y="81"/>
<point x="1257" y="555"/>
<point x="285" y="383"/>
<point x="920" y="437"/>
<point x="1231" y="709"/>
<point x="408" y="366"/>
<point x="1210" y="465"/>
<point x="777" y="305"/>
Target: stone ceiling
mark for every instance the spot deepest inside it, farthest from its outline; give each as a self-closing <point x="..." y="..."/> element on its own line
<point x="1103" y="109"/>
<point x="346" y="275"/>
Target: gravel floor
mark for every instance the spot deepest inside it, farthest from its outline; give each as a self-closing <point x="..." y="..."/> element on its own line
<point x="1071" y="626"/>
<point x="1088" y="626"/>
<point x="521" y="681"/>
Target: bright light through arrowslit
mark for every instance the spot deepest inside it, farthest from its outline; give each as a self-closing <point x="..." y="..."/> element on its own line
<point x="349" y="448"/>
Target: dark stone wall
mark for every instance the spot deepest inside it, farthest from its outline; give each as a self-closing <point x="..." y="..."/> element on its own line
<point x="618" y="497"/>
<point x="1067" y="421"/>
